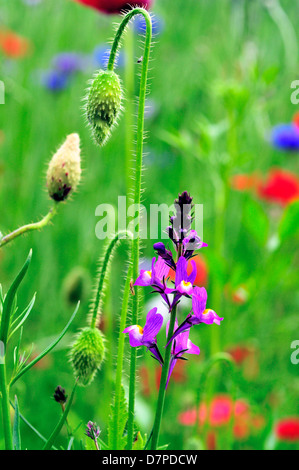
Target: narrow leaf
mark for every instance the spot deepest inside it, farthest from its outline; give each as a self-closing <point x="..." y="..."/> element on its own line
<point x="48" y="349"/>
<point x="9" y="300"/>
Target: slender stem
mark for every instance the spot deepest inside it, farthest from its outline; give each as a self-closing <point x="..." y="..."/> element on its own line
<point x="120" y="355"/>
<point x="129" y="80"/>
<point x="102" y="276"/>
<point x="5" y="406"/>
<point x="137" y="190"/>
<point x="162" y="388"/>
<point x="29" y="227"/>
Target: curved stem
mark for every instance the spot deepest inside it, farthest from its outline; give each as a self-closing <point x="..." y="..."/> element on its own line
<point x="107" y="258"/>
<point x="162" y="388"/>
<point x="29" y="227"/>
<point x="137" y="190"/>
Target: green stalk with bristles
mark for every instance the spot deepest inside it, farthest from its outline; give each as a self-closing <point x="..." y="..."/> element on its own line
<point x="88" y="350"/>
<point x="137" y="189"/>
<point x="95" y="312"/>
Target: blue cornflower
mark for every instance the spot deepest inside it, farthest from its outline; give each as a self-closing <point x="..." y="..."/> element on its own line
<point x="285" y="137"/>
<point x="54" y="80"/>
<point x="68" y="62"/>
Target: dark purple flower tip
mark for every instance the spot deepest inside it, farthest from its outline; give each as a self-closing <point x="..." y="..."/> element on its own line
<point x="92" y="430"/>
<point x="160" y="247"/>
<point x="285" y="137"/>
<point x="59" y="395"/>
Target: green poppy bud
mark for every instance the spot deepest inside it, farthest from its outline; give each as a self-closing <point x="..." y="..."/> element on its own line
<point x="64" y="171"/>
<point x="87" y="354"/>
<point x="103" y="104"/>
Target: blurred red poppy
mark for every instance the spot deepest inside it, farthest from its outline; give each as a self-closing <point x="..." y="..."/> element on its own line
<point x="219" y="413"/>
<point x="287" y="429"/>
<point x="296" y="119"/>
<point x="239" y="353"/>
<point x="115" y="6"/>
<point x="201" y="274"/>
<point x="14" y="46"/>
<point x="281" y="186"/>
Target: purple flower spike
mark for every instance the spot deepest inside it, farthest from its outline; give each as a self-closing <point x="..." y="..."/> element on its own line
<point x="183" y="281"/>
<point x="180" y="346"/>
<point x="156" y="277"/>
<point x="200" y="313"/>
<point x="146" y="336"/>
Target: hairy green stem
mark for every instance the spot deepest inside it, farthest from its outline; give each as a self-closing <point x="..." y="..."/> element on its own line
<point x="29" y="227"/>
<point x="162" y="388"/>
<point x="5" y="406"/>
<point x="107" y="257"/>
<point x="137" y="189"/>
<point x="120" y="356"/>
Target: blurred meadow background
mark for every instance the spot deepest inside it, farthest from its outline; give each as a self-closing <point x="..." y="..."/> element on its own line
<point x="220" y="124"/>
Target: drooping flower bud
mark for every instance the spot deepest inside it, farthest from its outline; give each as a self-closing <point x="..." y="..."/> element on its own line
<point x="87" y="354"/>
<point x="103" y="104"/>
<point x="64" y="169"/>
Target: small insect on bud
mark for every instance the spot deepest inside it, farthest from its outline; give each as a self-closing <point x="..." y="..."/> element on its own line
<point x="87" y="354"/>
<point x="64" y="169"/>
<point x="103" y="104"/>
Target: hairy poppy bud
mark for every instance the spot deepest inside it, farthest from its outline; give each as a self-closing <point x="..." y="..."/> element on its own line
<point x="103" y="104"/>
<point x="87" y="354"/>
<point x="64" y="169"/>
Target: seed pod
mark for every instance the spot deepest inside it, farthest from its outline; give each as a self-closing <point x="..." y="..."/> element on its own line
<point x="103" y="104"/>
<point x="64" y="169"/>
<point x="87" y="354"/>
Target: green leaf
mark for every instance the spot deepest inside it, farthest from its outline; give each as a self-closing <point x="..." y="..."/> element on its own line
<point x="139" y="443"/>
<point x="119" y="415"/>
<point x="256" y="222"/>
<point x="61" y="422"/>
<point x="16" y="436"/>
<point x="289" y="226"/>
<point x="48" y="349"/>
<point x="10" y="298"/>
<point x="20" y="320"/>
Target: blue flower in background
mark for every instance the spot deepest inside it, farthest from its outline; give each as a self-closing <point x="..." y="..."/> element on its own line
<point x="285" y="137"/>
<point x="101" y="56"/>
<point x="68" y="63"/>
<point x="140" y="25"/>
<point x="54" y="80"/>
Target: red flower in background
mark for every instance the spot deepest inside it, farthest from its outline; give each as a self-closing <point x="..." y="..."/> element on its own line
<point x="281" y="186"/>
<point x="245" y="182"/>
<point x="201" y="273"/>
<point x="219" y="413"/>
<point x="14" y="46"/>
<point x="287" y="429"/>
<point x="115" y="6"/>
